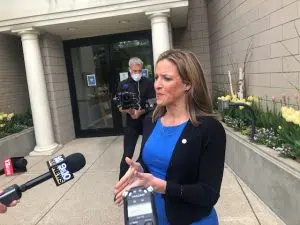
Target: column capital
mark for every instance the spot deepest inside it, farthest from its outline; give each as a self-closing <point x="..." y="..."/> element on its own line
<point x="158" y="13"/>
<point x="27" y="33"/>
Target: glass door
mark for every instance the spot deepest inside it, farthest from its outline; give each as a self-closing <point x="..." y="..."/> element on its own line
<point x="90" y="66"/>
<point x="95" y="67"/>
<point x="122" y="51"/>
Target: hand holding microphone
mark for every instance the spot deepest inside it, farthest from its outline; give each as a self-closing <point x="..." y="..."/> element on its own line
<point x="61" y="169"/>
<point x="3" y="208"/>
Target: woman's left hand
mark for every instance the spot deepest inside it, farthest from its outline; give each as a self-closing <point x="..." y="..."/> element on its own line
<point x="142" y="179"/>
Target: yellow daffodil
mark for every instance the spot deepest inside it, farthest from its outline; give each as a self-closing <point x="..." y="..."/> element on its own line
<point x="291" y="115"/>
<point x="9" y="116"/>
<point x="250" y="98"/>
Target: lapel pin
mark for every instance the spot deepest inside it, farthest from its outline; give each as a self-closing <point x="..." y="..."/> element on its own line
<point x="184" y="141"/>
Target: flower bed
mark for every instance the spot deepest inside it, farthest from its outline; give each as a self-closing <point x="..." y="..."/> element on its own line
<point x="276" y="180"/>
<point x="277" y="129"/>
<point x="11" y="123"/>
<point x="16" y="135"/>
<point x="19" y="144"/>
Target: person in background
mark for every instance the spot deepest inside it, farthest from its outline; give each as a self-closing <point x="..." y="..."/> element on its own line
<point x="183" y="147"/>
<point x="143" y="88"/>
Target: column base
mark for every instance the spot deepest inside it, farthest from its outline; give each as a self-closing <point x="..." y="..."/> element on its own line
<point x="47" y="150"/>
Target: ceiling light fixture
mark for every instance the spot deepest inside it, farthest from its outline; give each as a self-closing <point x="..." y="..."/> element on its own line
<point x="72" y="28"/>
<point x="124" y="21"/>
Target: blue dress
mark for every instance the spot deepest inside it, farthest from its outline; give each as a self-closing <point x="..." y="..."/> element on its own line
<point x="157" y="154"/>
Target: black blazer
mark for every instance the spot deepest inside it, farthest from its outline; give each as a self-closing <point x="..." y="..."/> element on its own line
<point x="195" y="171"/>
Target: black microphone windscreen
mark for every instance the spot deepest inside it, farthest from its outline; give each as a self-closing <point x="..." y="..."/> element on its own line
<point x="20" y="163"/>
<point x="75" y="162"/>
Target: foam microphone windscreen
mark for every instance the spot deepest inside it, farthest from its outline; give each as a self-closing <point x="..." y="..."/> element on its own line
<point x="75" y="162"/>
<point x="20" y="163"/>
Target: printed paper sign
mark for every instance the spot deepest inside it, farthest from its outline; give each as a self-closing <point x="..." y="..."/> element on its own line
<point x="145" y="73"/>
<point x="91" y="80"/>
<point x="123" y="76"/>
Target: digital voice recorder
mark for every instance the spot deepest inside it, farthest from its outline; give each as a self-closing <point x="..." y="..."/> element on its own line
<point x="139" y="206"/>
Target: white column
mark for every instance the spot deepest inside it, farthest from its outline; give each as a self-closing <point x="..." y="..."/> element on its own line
<point x="160" y="31"/>
<point x="44" y="136"/>
<point x="170" y="33"/>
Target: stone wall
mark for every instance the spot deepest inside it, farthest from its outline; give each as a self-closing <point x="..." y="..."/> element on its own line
<point x="269" y="28"/>
<point x="14" y="95"/>
<point x="194" y="36"/>
<point x="58" y="87"/>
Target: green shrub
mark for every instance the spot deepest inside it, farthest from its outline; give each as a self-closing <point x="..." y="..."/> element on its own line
<point x="11" y="123"/>
<point x="279" y="130"/>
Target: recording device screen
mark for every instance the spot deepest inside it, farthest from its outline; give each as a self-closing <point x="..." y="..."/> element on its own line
<point x="139" y="206"/>
<point x="139" y="209"/>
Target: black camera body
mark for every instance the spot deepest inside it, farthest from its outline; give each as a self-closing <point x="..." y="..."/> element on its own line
<point x="127" y="100"/>
<point x="130" y="100"/>
<point x="139" y="206"/>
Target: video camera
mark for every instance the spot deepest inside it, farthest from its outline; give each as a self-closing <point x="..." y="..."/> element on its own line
<point x="130" y="100"/>
<point x="126" y="100"/>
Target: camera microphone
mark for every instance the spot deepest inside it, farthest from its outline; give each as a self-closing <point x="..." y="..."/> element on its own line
<point x="13" y="165"/>
<point x="61" y="169"/>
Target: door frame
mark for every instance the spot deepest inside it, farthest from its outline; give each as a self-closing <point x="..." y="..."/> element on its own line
<point x="99" y="40"/>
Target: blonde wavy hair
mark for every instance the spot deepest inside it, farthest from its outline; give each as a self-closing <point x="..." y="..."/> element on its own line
<point x="198" y="98"/>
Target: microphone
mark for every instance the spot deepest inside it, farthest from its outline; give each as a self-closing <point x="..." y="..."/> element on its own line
<point x="13" y="165"/>
<point x="61" y="169"/>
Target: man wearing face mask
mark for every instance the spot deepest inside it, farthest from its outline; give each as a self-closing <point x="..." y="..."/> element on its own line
<point x="144" y="89"/>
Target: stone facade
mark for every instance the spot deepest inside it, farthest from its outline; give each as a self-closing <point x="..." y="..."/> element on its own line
<point x="13" y="85"/>
<point x="58" y="87"/>
<point x="269" y="28"/>
<point x="194" y="36"/>
<point x="218" y="31"/>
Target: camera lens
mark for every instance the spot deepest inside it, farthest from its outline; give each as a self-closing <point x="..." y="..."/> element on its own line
<point x="126" y="97"/>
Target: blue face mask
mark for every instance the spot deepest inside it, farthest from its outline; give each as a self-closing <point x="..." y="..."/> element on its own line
<point x="136" y="76"/>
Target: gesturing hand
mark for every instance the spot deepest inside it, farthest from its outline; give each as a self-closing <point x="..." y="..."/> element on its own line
<point x="127" y="179"/>
<point x="141" y="179"/>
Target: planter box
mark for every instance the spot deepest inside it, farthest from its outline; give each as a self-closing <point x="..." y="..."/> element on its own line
<point x="274" y="179"/>
<point x="19" y="144"/>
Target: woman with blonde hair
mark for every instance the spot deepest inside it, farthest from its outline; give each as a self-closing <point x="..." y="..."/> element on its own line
<point x="183" y="147"/>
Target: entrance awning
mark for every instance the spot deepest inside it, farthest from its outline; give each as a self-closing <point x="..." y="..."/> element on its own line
<point x="77" y="20"/>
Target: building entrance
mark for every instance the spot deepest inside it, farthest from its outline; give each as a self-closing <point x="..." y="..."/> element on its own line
<point x="95" y="67"/>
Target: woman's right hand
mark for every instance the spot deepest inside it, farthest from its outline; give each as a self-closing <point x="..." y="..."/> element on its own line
<point x="127" y="179"/>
